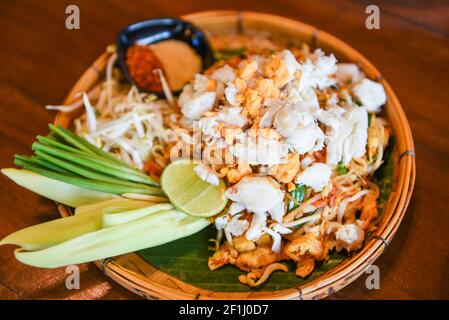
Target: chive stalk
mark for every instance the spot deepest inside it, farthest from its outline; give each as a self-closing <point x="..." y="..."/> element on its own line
<point x="40" y="161"/>
<point x="91" y="184"/>
<point x="66" y="157"/>
<point x="86" y="173"/>
<point x="53" y="142"/>
<point x="94" y="164"/>
<point x="74" y="139"/>
<point x="70" y="139"/>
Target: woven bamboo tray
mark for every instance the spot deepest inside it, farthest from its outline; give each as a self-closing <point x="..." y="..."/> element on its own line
<point x="136" y="274"/>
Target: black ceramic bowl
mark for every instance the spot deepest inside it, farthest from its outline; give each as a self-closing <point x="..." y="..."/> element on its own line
<point x="155" y="30"/>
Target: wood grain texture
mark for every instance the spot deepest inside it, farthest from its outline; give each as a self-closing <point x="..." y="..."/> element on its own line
<point x="40" y="60"/>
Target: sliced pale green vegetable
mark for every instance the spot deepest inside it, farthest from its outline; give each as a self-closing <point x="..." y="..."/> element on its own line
<point x="189" y="193"/>
<point x="145" y="197"/>
<point x="49" y="233"/>
<point x="56" y="190"/>
<point x="146" y="232"/>
<point x="118" y="215"/>
<point x="120" y="202"/>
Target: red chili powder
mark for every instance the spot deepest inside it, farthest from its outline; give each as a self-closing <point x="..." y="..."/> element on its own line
<point x="141" y="62"/>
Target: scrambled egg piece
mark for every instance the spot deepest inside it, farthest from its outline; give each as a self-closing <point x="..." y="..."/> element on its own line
<point x="225" y="255"/>
<point x="285" y="173"/>
<point x="302" y="245"/>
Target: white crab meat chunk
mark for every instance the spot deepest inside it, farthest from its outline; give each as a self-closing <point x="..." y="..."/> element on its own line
<point x="289" y="119"/>
<point x="221" y="222"/>
<point x="232" y="116"/>
<point x="231" y="93"/>
<point x="308" y="101"/>
<point x="200" y="84"/>
<point x="315" y="72"/>
<point x="259" y="150"/>
<point x="227" y="115"/>
<point x="371" y="94"/>
<point x="300" y="129"/>
<point x="307" y="161"/>
<point x="291" y="64"/>
<point x="305" y="100"/>
<point x="347" y="135"/>
<point x="235" y="227"/>
<point x="272" y="107"/>
<point x="316" y="176"/>
<point x="277" y="212"/>
<point x="224" y="74"/>
<point x="257" y="194"/>
<point x="185" y="95"/>
<point x="232" y="226"/>
<point x="256" y="229"/>
<point x="310" y="138"/>
<point x="275" y="232"/>
<point x="197" y="106"/>
<point x="348" y="73"/>
<point x="208" y="126"/>
<point x="356" y="144"/>
<point x="350" y="236"/>
<point x="235" y="208"/>
<point x="331" y="117"/>
<point x="207" y="174"/>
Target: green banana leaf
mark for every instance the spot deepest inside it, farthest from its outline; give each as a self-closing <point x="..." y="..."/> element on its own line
<point x="186" y="259"/>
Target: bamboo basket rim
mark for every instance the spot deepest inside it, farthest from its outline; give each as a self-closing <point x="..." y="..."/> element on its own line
<point x="127" y="269"/>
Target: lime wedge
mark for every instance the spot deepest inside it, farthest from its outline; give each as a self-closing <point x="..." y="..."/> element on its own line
<point x="187" y="192"/>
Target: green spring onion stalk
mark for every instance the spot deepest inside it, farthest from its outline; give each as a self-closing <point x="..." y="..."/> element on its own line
<point x="86" y="173"/>
<point x="55" y="143"/>
<point x="98" y="165"/>
<point x="113" y="188"/>
<point x="76" y="140"/>
<point x="70" y="139"/>
<point x="23" y="160"/>
<point x="64" y="156"/>
<point x="40" y="161"/>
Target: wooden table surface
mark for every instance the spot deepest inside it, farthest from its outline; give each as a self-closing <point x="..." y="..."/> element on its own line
<point x="40" y="60"/>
